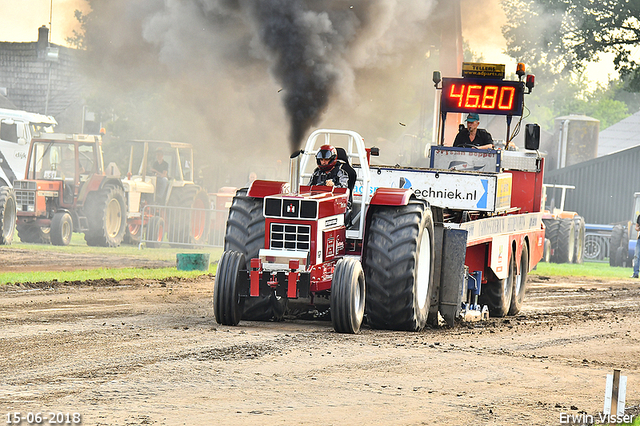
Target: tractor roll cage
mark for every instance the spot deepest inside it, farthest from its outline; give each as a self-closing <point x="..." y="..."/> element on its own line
<point x="355" y="148"/>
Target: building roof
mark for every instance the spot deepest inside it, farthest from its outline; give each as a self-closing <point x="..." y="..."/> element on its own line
<point x="6" y="103"/>
<point x="622" y="135"/>
<point x="33" y="80"/>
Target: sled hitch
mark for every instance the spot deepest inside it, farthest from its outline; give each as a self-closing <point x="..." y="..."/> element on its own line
<point x="471" y="311"/>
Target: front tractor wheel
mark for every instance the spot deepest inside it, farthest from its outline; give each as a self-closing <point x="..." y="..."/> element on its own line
<point x="34" y="234"/>
<point x="245" y="234"/>
<point x="399" y="261"/>
<point x="61" y="229"/>
<point x="347" y="296"/>
<point x="227" y="303"/>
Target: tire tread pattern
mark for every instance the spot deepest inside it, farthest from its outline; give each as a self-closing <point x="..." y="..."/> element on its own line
<point x="245" y="233"/>
<point x="96" y="210"/>
<point x="57" y="227"/>
<point x="348" y="275"/>
<point x="565" y="242"/>
<point x="497" y="293"/>
<point x="7" y="215"/>
<point x="390" y="265"/>
<point x="578" y="250"/>
<point x="226" y="303"/>
<point x="517" y="298"/>
<point x="614" y="243"/>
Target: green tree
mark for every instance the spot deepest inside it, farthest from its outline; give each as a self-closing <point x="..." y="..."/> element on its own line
<point x="572" y="94"/>
<point x="557" y="38"/>
<point x="77" y="39"/>
<point x="563" y="35"/>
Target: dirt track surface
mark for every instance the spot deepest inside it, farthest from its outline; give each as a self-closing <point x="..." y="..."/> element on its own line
<point x="22" y="260"/>
<point x="148" y="352"/>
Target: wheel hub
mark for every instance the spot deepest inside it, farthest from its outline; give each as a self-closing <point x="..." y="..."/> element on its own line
<point x="113" y="218"/>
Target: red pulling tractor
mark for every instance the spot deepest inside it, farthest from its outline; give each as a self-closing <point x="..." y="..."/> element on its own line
<point x="399" y="246"/>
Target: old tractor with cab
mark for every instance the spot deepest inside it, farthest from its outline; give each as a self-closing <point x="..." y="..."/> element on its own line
<point x="17" y="128"/>
<point x="66" y="190"/>
<point x="173" y="205"/>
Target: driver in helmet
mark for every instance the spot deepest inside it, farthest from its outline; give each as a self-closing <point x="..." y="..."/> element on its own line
<point x="329" y="172"/>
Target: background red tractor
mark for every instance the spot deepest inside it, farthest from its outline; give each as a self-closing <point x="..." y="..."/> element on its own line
<point x="66" y="190"/>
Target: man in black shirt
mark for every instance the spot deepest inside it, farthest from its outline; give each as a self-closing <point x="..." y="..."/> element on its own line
<point x="160" y="168"/>
<point x="472" y="136"/>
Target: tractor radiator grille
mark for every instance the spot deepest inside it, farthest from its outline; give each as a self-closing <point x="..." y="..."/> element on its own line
<point x="25" y="198"/>
<point x="290" y="237"/>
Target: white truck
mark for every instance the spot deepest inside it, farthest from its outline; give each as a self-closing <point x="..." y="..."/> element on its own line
<point x="17" y="128"/>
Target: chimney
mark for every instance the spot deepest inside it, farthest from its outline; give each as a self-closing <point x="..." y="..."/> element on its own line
<point x="43" y="38"/>
<point x="294" y="172"/>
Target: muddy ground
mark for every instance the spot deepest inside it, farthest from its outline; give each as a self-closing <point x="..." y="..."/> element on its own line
<point x="150" y="352"/>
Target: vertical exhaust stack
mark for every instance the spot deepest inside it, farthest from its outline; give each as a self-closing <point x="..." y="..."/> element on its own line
<point x="294" y="172"/>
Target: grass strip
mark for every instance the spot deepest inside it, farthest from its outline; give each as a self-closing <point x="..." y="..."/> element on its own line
<point x="100" y="273"/>
<point x="587" y="269"/>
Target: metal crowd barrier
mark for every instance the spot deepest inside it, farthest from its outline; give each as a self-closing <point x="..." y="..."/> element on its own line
<point x="182" y="227"/>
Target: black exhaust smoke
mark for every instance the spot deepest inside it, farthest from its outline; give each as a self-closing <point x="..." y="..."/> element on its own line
<point x="208" y="60"/>
<point x="301" y="41"/>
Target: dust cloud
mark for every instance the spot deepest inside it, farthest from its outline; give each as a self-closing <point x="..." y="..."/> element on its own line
<point x="246" y="81"/>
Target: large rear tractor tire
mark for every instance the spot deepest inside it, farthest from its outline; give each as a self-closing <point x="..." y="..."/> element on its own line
<point x="398" y="267"/>
<point x="347" y="296"/>
<point x="189" y="222"/>
<point x="520" y="283"/>
<point x="551" y="234"/>
<point x="61" y="229"/>
<point x="8" y="215"/>
<point x="245" y="234"/>
<point x="620" y="256"/>
<point x="106" y="212"/>
<point x="546" y="252"/>
<point x="565" y="242"/>
<point x="34" y="234"/>
<point x="614" y="243"/>
<point x="497" y="293"/>
<point x="623" y="258"/>
<point x="578" y="252"/>
<point x="227" y="303"/>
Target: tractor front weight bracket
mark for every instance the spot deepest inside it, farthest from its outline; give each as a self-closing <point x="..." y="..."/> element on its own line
<point x="290" y="284"/>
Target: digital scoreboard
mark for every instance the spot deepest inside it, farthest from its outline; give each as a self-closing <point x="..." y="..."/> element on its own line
<point x="483" y="96"/>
